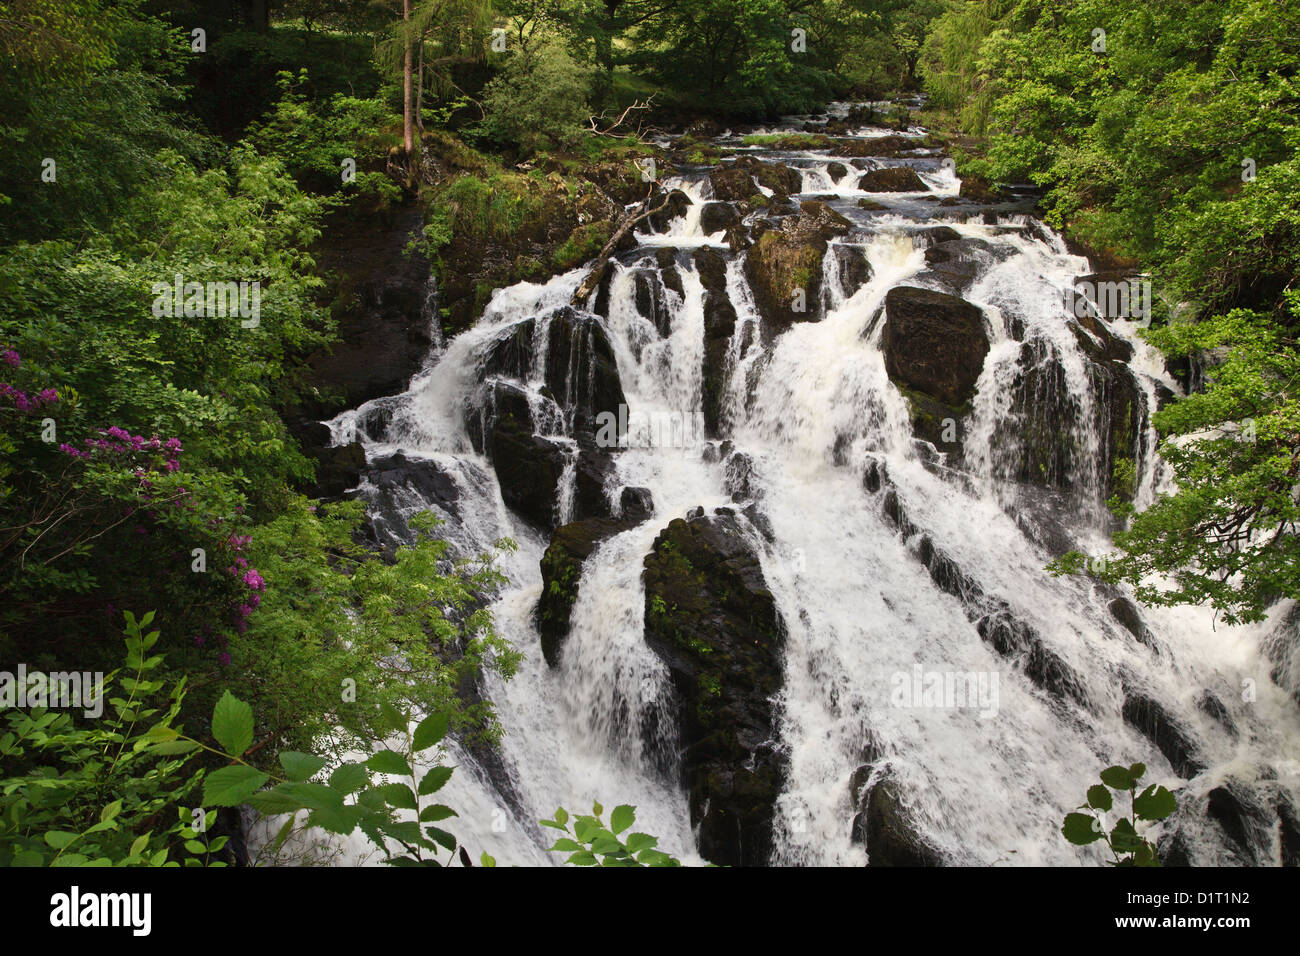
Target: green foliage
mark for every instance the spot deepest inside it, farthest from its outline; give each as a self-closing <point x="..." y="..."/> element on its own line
<point x="590" y="842"/>
<point x="1127" y="846"/>
<point x="539" y="101"/>
<point x="97" y="793"/>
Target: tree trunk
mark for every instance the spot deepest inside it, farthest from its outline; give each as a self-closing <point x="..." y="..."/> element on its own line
<point x="408" y="77"/>
<point x="419" y="91"/>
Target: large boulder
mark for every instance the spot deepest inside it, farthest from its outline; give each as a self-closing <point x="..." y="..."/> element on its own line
<point x="892" y="179"/>
<point x="580" y="371"/>
<point x="739" y="181"/>
<point x="711" y="618"/>
<point x="883" y="146"/>
<point x="883" y="824"/>
<point x="528" y="466"/>
<point x="934" y="346"/>
<point x="784" y="269"/>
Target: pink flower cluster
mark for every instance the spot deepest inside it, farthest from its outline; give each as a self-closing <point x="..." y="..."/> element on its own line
<point x="20" y="399"/>
<point x="25" y="403"/>
<point x="247" y="575"/>
<point x="119" y="441"/>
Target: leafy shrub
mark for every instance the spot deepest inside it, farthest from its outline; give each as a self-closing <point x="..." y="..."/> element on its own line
<point x="1127" y="846"/>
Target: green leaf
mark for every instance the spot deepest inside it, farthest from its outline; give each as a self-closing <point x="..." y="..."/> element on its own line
<point x="1154" y="803"/>
<point x="1123" y="838"/>
<point x="562" y="816"/>
<point x="488" y="861"/>
<point x="299" y="766"/>
<point x="566" y="845"/>
<point x="430" y="731"/>
<point x="641" y="841"/>
<point x="398" y="795"/>
<point x="622" y="818"/>
<point x="1117" y="778"/>
<point x="436" y="812"/>
<point x="389" y="761"/>
<point x="1081" y="829"/>
<point x="349" y="777"/>
<point x="581" y="858"/>
<point x="1136" y="771"/>
<point x="434" y="780"/>
<point x="59" y="838"/>
<point x="442" y="837"/>
<point x="232" y="724"/>
<point x="393" y="719"/>
<point x="111" y="811"/>
<point x="1099" y="797"/>
<point x="231" y="786"/>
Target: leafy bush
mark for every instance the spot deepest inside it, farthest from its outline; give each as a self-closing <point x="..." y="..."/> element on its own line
<point x="539" y="101"/>
<point x="589" y="842"/>
<point x="1127" y="846"/>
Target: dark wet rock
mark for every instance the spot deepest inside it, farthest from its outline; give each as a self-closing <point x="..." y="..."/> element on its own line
<point x="1110" y="294"/>
<point x="854" y="267"/>
<point x="740" y="181"/>
<point x="571" y="545"/>
<point x="528" y="467"/>
<point x="836" y="171"/>
<point x="739" y="477"/>
<point x="874" y="475"/>
<point x="1126" y="612"/>
<point x="719" y="326"/>
<point x="423" y="476"/>
<point x="636" y="504"/>
<point x="338" y="468"/>
<point x="651" y="301"/>
<point x="718" y="217"/>
<point x="828" y="223"/>
<point x="934" y="235"/>
<point x="891" y="179"/>
<point x="711" y="618"/>
<point x="785" y="266"/>
<point x="677" y="202"/>
<point x="1210" y="704"/>
<point x="884" y="826"/>
<point x="934" y="343"/>
<point x="1149" y="717"/>
<point x="886" y="147"/>
<point x="1099" y="342"/>
<point x="381" y="300"/>
<point x="871" y="205"/>
<point x="580" y="371"/>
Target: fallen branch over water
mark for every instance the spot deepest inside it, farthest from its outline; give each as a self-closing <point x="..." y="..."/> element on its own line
<point x="630" y="219"/>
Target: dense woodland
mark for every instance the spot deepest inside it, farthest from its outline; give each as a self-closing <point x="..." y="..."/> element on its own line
<point x="155" y="483"/>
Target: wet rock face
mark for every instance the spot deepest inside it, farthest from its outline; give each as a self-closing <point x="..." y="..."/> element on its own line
<point x="741" y="180"/>
<point x="784" y="266"/>
<point x="581" y="371"/>
<point x="882" y="824"/>
<point x="719" y="326"/>
<point x="1146" y="715"/>
<point x="379" y="302"/>
<point x="891" y="179"/>
<point x="711" y="618"/>
<point x="528" y="467"/>
<point x="934" y="344"/>
<point x="570" y="546"/>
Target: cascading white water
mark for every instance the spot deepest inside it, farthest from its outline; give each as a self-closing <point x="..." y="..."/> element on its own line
<point x="814" y="409"/>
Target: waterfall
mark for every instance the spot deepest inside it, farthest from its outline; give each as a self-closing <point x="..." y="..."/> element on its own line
<point x="888" y="556"/>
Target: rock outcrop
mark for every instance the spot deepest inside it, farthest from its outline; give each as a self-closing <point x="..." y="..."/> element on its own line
<point x="711" y="618"/>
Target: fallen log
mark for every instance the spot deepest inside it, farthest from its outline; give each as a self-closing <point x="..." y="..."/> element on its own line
<point x="630" y="219"/>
